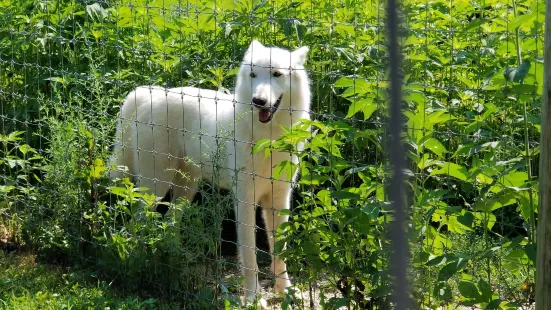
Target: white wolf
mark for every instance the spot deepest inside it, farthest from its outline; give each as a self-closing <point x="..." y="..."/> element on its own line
<point x="163" y="130"/>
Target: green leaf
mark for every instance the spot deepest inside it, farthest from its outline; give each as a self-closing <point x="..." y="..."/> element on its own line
<point x="313" y="179"/>
<point x="344" y="82"/>
<point x="96" y="12"/>
<point x="521" y="21"/>
<point x="344" y="195"/>
<point x="14" y="136"/>
<point x="485" y="291"/>
<point x="339" y="303"/>
<point x="528" y="201"/>
<point x="284" y="167"/>
<point x="530" y="250"/>
<point x="471" y="148"/>
<point x="514" y="179"/>
<point x="261" y="144"/>
<point x="371" y="209"/>
<point x="469" y="290"/>
<point x="453" y="170"/>
<point x="466" y="219"/>
<point x="366" y="106"/>
<point x="496" y="304"/>
<point x="440" y="116"/>
<point x="439" y="260"/>
<point x="355" y="107"/>
<point x="355" y="170"/>
<point x="443" y="291"/>
<point x="97" y="169"/>
<point x="310" y="248"/>
<point x="25" y="148"/>
<point x="435" y="146"/>
<point x="451" y="269"/>
<point x="455" y="226"/>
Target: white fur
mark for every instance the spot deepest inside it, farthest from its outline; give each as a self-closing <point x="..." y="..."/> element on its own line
<point x="167" y="130"/>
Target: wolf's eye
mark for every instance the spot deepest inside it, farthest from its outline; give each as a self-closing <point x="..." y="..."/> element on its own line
<point x="277" y="74"/>
<point x="252" y="74"/>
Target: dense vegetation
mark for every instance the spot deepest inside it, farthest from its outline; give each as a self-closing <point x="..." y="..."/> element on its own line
<point x="472" y="75"/>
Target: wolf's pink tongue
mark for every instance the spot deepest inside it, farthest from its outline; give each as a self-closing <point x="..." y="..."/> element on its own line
<point x="263" y="115"/>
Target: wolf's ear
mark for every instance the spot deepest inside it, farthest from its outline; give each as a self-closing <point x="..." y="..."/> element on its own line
<point x="255" y="45"/>
<point x="299" y="55"/>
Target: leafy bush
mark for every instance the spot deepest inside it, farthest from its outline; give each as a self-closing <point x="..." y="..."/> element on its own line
<point x="472" y="73"/>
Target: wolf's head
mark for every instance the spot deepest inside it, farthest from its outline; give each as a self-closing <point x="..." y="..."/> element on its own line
<point x="272" y="78"/>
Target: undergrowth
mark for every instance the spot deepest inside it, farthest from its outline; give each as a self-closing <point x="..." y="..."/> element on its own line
<point x="473" y="72"/>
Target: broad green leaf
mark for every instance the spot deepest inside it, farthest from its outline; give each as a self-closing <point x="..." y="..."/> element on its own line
<point x="313" y="179"/>
<point x="451" y="269"/>
<point x="466" y="219"/>
<point x="411" y="40"/>
<point x="435" y="146"/>
<point x="440" y="117"/>
<point x="324" y="196"/>
<point x="522" y="20"/>
<point x="414" y="96"/>
<point x="366" y="106"/>
<point x="435" y="242"/>
<point x="453" y="170"/>
<point x="372" y="210"/>
<point x="484" y="179"/>
<point x="514" y="179"/>
<point x="469" y="290"/>
<point x="344" y="82"/>
<point x="418" y="124"/>
<point x="485" y="290"/>
<point x="528" y="202"/>
<point x="97" y="168"/>
<point x="494" y="203"/>
<point x="425" y="161"/>
<point x="344" y="195"/>
<point x="498" y="304"/>
<point x="455" y="226"/>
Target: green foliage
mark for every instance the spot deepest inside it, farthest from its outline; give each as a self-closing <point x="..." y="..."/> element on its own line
<point x="473" y="73"/>
<point x="27" y="284"/>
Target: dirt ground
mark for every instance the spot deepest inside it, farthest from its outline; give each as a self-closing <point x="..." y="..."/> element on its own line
<point x="308" y="300"/>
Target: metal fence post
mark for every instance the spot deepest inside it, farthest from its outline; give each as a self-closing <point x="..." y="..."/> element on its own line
<point x="399" y="255"/>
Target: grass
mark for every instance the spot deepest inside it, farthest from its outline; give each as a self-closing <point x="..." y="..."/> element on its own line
<point x="473" y="75"/>
<point x="26" y="283"/>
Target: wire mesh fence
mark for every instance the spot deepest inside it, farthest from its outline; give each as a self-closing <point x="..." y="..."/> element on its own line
<point x="470" y="73"/>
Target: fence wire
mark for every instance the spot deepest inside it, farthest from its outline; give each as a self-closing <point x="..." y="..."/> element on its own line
<point x="417" y="181"/>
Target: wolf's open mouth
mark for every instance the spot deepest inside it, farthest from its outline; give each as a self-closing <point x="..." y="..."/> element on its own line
<point x="266" y="114"/>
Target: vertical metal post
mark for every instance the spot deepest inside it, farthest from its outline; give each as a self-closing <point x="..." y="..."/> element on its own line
<point x="400" y="250"/>
<point x="543" y="236"/>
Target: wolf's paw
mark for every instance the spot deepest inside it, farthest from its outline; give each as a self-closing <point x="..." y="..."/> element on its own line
<point x="258" y="301"/>
<point x="293" y="293"/>
<point x="281" y="285"/>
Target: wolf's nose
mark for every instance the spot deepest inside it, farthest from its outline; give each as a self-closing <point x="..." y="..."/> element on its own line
<point x="259" y="101"/>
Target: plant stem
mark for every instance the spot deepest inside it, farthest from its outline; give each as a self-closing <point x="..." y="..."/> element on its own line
<point x="517" y="36"/>
<point x="526" y="141"/>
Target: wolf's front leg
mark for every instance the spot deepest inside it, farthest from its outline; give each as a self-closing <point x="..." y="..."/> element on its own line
<point x="273" y="203"/>
<point x="246" y="243"/>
